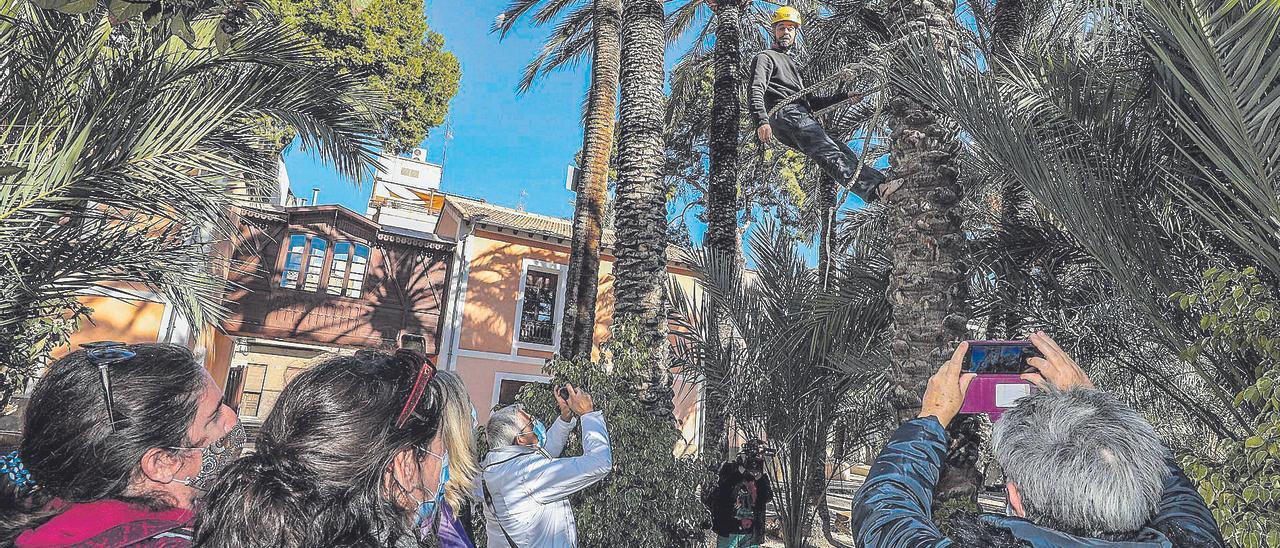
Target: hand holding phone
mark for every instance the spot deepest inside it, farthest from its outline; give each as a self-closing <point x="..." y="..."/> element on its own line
<point x="1000" y="368"/>
<point x="1053" y="365"/>
<point x="562" y="401"/>
<point x="945" y="393"/>
<point x="1000" y="357"/>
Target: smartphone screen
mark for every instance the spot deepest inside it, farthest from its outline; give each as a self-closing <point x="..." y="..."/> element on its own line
<point x="999" y="357"/>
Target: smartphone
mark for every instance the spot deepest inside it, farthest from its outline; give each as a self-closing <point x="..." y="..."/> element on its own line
<point x="998" y="387"/>
<point x="999" y="357"/>
<point x="564" y="393"/>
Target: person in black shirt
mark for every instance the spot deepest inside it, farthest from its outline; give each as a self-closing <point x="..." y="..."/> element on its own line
<point x="740" y="497"/>
<point x="774" y="77"/>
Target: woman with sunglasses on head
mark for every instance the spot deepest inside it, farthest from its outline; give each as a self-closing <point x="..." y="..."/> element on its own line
<point x="349" y="456"/>
<point x="119" y="441"/>
<point x="458" y="439"/>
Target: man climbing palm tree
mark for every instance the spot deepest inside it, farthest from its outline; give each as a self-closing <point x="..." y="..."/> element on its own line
<point x="775" y="77"/>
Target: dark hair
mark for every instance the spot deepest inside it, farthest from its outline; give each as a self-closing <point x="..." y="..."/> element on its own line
<point x="316" y="478"/>
<point x="67" y="442"/>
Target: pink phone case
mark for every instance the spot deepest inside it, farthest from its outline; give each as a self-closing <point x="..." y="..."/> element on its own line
<point x="981" y="396"/>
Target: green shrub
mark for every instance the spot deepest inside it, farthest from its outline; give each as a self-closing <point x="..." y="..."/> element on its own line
<point x="650" y="498"/>
<point x="1240" y="480"/>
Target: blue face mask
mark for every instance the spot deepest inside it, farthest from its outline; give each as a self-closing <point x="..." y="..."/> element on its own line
<point x="428" y="509"/>
<point x="540" y="430"/>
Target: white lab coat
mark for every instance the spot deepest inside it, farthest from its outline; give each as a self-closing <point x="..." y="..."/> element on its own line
<point x="530" y="490"/>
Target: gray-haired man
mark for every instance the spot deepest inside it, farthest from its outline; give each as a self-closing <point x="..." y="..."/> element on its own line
<point x="1082" y="469"/>
<point x="525" y="483"/>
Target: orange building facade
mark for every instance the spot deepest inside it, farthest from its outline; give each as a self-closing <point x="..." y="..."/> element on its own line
<point x="478" y="287"/>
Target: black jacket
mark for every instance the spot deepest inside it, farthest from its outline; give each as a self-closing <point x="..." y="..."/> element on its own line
<point x="721" y="498"/>
<point x="774" y="77"/>
<point x="894" y="507"/>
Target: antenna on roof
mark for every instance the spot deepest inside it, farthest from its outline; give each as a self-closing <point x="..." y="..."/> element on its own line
<point x="444" y="151"/>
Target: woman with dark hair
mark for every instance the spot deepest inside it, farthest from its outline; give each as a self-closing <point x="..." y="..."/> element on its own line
<point x="348" y="457"/>
<point x="118" y="443"/>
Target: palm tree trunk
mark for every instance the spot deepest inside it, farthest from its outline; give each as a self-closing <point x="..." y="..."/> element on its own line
<point x="588" y="212"/>
<point x="641" y="223"/>
<point x="722" y="210"/>
<point x="726" y="117"/>
<point x="928" y="285"/>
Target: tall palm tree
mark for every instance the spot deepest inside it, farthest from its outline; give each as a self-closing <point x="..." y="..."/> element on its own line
<point x="928" y="284"/>
<point x="593" y="29"/>
<point x="1136" y="184"/>
<point x="805" y="355"/>
<point x="722" y="204"/>
<point x="122" y="165"/>
<point x="721" y="201"/>
<point x="589" y="208"/>
<point x="641" y="221"/>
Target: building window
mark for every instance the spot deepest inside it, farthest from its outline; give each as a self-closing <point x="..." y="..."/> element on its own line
<point x="260" y="386"/>
<point x="305" y="262"/>
<point x="409" y="172"/>
<point x="338" y="268"/>
<point x="293" y="261"/>
<point x="315" y="264"/>
<point x="538" y="316"/>
<point x="347" y="271"/>
<point x="508" y="389"/>
<point x="359" y="265"/>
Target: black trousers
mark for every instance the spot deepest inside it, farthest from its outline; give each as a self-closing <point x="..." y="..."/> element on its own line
<point x="796" y="127"/>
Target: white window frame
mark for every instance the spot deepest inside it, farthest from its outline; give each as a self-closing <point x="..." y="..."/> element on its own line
<point x="562" y="278"/>
<point x="506" y="376"/>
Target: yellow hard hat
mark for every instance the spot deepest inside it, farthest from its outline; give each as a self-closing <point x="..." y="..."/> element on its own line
<point x="786" y="13"/>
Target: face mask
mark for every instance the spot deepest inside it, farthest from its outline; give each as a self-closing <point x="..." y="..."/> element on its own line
<point x="540" y="430"/>
<point x="216" y="457"/>
<point x="427" y="509"/>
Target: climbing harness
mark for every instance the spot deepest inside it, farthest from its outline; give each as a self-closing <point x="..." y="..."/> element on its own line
<point x="874" y="64"/>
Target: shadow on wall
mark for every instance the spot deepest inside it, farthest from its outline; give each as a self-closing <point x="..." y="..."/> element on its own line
<point x="403" y="291"/>
<point x="493" y="291"/>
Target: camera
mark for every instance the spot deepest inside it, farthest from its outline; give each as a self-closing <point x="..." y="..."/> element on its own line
<point x="751" y="459"/>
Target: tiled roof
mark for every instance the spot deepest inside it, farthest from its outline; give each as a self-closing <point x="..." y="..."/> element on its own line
<point x="533" y="223"/>
<point x="542" y="225"/>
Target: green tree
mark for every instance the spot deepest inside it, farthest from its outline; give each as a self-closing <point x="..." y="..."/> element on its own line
<point x="122" y="166"/>
<point x="388" y="43"/>
<point x="649" y="499"/>
<point x="805" y="355"/>
<point x="588" y="31"/>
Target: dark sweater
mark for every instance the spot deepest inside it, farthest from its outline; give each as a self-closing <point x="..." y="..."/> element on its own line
<point x="774" y="77"/>
<point x="720" y="500"/>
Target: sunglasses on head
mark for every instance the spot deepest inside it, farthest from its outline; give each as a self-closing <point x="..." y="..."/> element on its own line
<point x="425" y="373"/>
<point x="104" y="354"/>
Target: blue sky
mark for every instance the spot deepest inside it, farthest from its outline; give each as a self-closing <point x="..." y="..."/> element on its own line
<point x="505" y="148"/>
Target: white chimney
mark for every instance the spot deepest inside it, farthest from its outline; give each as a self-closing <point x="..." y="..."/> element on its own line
<point x="315" y="195"/>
